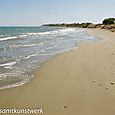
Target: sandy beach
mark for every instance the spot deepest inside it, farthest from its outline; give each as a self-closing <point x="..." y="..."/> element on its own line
<point x="79" y="82"/>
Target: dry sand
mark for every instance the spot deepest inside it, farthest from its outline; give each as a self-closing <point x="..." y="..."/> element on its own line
<point x="79" y="82"/>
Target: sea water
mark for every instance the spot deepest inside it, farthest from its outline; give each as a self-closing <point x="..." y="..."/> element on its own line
<point x="23" y="49"/>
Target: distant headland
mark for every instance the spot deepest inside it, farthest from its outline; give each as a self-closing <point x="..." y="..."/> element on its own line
<point x="108" y="23"/>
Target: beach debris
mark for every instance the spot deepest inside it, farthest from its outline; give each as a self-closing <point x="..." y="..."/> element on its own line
<point x="100" y="85"/>
<point x="112" y="53"/>
<point x="93" y="81"/>
<point x="112" y="83"/>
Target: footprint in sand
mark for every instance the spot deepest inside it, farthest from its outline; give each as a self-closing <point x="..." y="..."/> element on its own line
<point x="106" y="88"/>
<point x="93" y="81"/>
<point x="65" y="107"/>
<point x="100" y="85"/>
<point x="112" y="83"/>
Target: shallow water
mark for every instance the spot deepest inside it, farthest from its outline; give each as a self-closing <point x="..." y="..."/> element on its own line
<point x="22" y="49"/>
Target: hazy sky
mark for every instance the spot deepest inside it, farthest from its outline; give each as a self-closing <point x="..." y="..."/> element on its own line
<point x="37" y="12"/>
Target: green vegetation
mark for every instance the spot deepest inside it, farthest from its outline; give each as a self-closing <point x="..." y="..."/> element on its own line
<point x="82" y="25"/>
<point x="109" y="21"/>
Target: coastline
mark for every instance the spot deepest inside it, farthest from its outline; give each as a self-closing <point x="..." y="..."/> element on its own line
<point x="75" y="82"/>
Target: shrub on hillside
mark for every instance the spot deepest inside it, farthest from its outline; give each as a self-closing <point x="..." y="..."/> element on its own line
<point x="109" y="21"/>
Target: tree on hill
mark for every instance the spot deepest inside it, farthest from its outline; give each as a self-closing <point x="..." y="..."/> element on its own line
<point x="109" y="21"/>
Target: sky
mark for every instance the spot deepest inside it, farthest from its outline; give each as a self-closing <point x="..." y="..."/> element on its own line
<point x="38" y="12"/>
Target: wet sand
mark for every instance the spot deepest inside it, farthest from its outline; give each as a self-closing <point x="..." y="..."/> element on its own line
<point x="79" y="82"/>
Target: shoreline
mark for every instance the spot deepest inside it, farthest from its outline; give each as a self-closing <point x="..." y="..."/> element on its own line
<point x="80" y="81"/>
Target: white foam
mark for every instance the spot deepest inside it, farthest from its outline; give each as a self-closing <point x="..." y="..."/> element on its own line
<point x="13" y="37"/>
<point x="67" y="30"/>
<point x="40" y="33"/>
<point x="21" y="46"/>
<point x="8" y="38"/>
<point x="29" y="56"/>
<point x="61" y="31"/>
<point x="21" y="36"/>
<point x="29" y="45"/>
<point x="2" y="76"/>
<point x="54" y="32"/>
<point x="8" y="65"/>
<point x="61" y="38"/>
<point x="49" y="48"/>
<point x="26" y="80"/>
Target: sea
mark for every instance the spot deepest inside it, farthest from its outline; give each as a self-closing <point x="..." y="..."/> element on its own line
<point x="23" y="49"/>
